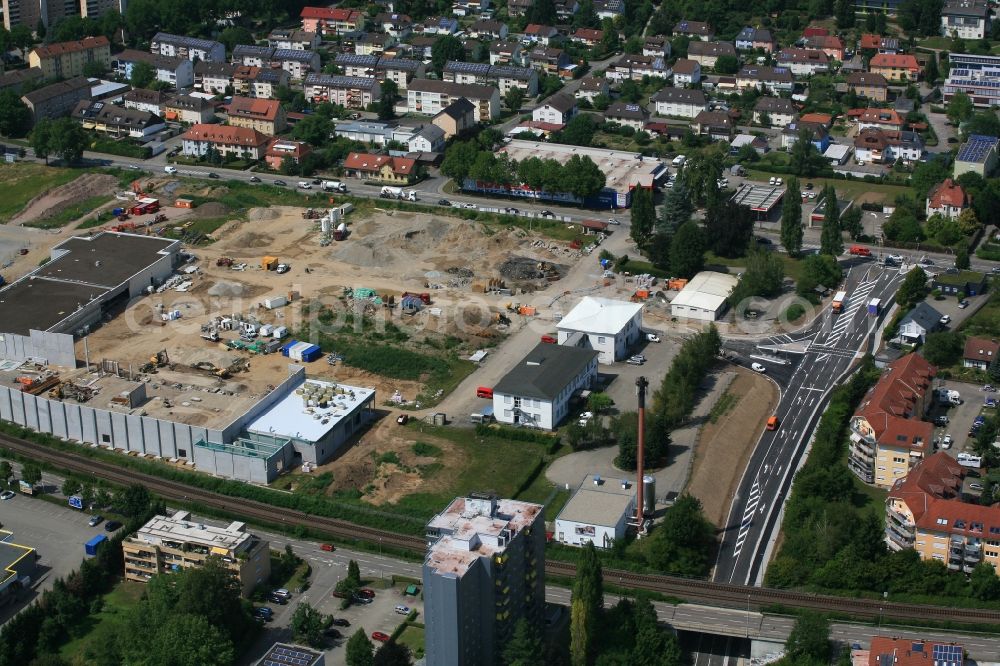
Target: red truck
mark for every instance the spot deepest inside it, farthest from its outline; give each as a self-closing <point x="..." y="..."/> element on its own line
<point x="860" y="251"/>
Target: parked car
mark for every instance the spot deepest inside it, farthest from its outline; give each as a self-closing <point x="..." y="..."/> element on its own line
<point x="277" y="599"/>
<point x="280" y="183"/>
<point x="282" y="592"/>
<point x="380" y="636"/>
<point x="367" y="593"/>
<point x="941" y="420"/>
<point x="975" y="486"/>
<point x="361" y="600"/>
<point x="635" y="361"/>
<point x="264" y="613"/>
<point x="945" y="320"/>
<point x="341" y="622"/>
<point x="95" y="520"/>
<point x="946" y="442"/>
<point x="989" y="388"/>
<point x="809" y="186"/>
<point x="757" y="367"/>
<point x="111" y="525"/>
<point x="402" y="610"/>
<point x="333" y="633"/>
<point x="613" y="221"/>
<point x="652" y="337"/>
<point x="6" y="495"/>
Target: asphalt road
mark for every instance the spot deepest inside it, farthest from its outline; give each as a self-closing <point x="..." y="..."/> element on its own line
<point x="817" y="359"/>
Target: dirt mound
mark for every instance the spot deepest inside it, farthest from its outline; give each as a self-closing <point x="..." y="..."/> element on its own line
<point x="226" y="289"/>
<point x="51" y="202"/>
<point x="252" y="239"/>
<point x="260" y="214"/>
<point x="210" y="210"/>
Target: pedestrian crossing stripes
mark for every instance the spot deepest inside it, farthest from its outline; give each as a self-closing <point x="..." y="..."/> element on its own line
<point x="843" y="321"/>
<point x="748" y="512"/>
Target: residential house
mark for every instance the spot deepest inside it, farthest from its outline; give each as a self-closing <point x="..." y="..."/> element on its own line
<point x="116" y="121"/>
<point x="16" y="78"/>
<point x="982" y="86"/>
<point x="878" y="43"/>
<point x="895" y="66"/>
<point x="925" y="512"/>
<point x="977" y="155"/>
<point x="880" y="146"/>
<point x="566" y="9"/>
<point x="686" y="73"/>
<point x="352" y="92"/>
<point x="373" y="132"/>
<point x="657" y="46"/>
<point x="470" y="7"/>
<point x="587" y="36"/>
<point x="213" y="77"/>
<point x="540" y="34"/>
<point x="592" y="86"/>
<point x="609" y="9"/>
<point x="775" y="80"/>
<point x="630" y="115"/>
<point x="395" y="25"/>
<point x="252" y="55"/>
<point x="818" y="134"/>
<point x="886" y="432"/>
<point x="804" y="62"/>
<point x="758" y="143"/>
<point x="694" y="30"/>
<point x="64" y="60"/>
<point x="599" y="513"/>
<point x="918" y="322"/>
<point x="506" y="78"/>
<point x="264" y="115"/>
<point x="182" y="46"/>
<point x="352" y="64"/>
<point x="296" y="63"/>
<point x="189" y="109"/>
<point x="175" y="71"/>
<point x="557" y="110"/>
<point x="717" y="125"/>
<point x="680" y="102"/>
<point x="970" y="283"/>
<point x="400" y="71"/>
<point x="332" y="20"/>
<point x="980" y="353"/>
<point x="887" y="119"/>
<point x="430" y="97"/>
<point x="547" y="59"/>
<point x="948" y="198"/>
<point x="489" y="29"/>
<point x="150" y="101"/>
<point x="519" y="7"/>
<point x="707" y="53"/>
<point x="259" y="82"/>
<point x="507" y="52"/>
<point x="873" y="87"/>
<point x="292" y="39"/>
<point x="538" y="390"/>
<point x="374" y="43"/>
<point x="428" y="138"/>
<point x="634" y="66"/>
<point x="751" y="39"/>
<point x="279" y="150"/>
<point x="56" y="99"/>
<point x="774" y="112"/>
<point x="466" y="72"/>
<point x="831" y="45"/>
<point x="228" y="141"/>
<point x="457" y="118"/>
<point x="437" y="25"/>
<point x="966" y="19"/>
<point x="381" y="168"/>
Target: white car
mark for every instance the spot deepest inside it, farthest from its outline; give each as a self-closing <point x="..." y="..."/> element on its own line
<point x="652" y="337"/>
<point x="772" y="181"/>
<point x="757" y="367"/>
<point x="946" y="442"/>
<point x="471" y="206"/>
<point x="777" y="181"/>
<point x="170" y="169"/>
<point x="6" y="495"/>
<point x="303" y="185"/>
<point x="945" y="319"/>
<point x="614" y="221"/>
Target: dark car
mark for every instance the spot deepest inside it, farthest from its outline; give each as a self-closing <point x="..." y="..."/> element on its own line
<point x="361" y="600"/>
<point x="277" y="599"/>
<point x="444" y="202"/>
<point x="317" y="181"/>
<point x="112" y="525"/>
<point x="341" y="622"/>
<point x="333" y="633"/>
<point x="280" y="183"/>
<point x="264" y="613"/>
<point x="254" y="179"/>
<point x="212" y="174"/>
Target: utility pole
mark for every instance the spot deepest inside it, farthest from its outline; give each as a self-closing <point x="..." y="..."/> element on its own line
<point x="640" y="389"/>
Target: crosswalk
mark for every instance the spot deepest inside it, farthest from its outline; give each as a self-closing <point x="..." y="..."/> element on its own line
<point x="749" y="510"/>
<point x="857" y="299"/>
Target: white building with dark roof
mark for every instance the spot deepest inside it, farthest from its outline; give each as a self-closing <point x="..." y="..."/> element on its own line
<point x="605" y="325"/>
<point x="680" y="102"/>
<point x="536" y="393"/>
<point x="192" y="48"/>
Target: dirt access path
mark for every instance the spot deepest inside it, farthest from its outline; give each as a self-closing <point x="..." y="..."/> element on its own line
<point x="724" y="447"/>
<point x="52" y="201"/>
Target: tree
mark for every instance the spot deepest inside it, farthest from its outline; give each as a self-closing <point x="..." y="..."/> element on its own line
<point x="21" y="37"/>
<point x="727" y="64"/>
<point x="94" y="69"/>
<point x="687" y="250"/>
<point x="599" y="401"/>
<point x="142" y="75"/>
<point x="962" y="258"/>
<point x="610" y="41"/>
<point x="289" y="166"/>
<point x="931" y="73"/>
<point x="968" y="223"/>
<point x="729" y="228"/>
<point x="809" y="640"/>
<point x="586" y="15"/>
<point x="850" y="222"/>
<point x="42" y="139"/>
<point x="984" y="582"/>
<point x="68" y="140"/>
<point x="831" y="238"/>
<point x="654" y="646"/>
<point x="582" y="177"/>
<point x="444" y="49"/>
<point x="764" y="276"/>
<point x="6" y="471"/>
<point x="133" y="501"/>
<point x="307" y="625"/>
<point x="354" y="572"/>
<point x="70" y="486"/>
<point x="393" y="654"/>
<point x="587" y="606"/>
<point x="805" y="158"/>
<point x="985" y="123"/>
<point x="943" y="348"/>
<point x="684" y="543"/>
<point x="202" y="643"/>
<point x="791" y="219"/>
<point x="359" y="651"/>
<point x="15" y="118"/>
<point x="31" y="473"/>
<point x="514" y="99"/>
<point x="525" y="648"/>
<point x="993" y="371"/>
<point x="458" y="159"/>
<point x="643" y="215"/>
<point x="819" y="269"/>
<point x="579" y="131"/>
<point x="913" y="289"/>
<point x="212" y="592"/>
<point x="235" y="35"/>
<point x="959" y="108"/>
<point x="844" y="11"/>
<point x="314" y="129"/>
<point x="677" y="208"/>
<point x="387" y="102"/>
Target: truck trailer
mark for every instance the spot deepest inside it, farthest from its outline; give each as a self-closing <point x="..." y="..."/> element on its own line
<point x="838" y="301"/>
<point x="334" y="186"/>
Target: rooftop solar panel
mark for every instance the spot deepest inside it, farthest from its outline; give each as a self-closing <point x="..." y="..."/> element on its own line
<point x="976" y="148"/>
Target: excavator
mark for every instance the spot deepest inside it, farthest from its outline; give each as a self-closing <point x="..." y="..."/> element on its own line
<point x="158" y="360"/>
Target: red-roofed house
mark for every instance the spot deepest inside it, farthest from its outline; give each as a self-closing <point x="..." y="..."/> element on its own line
<point x="887" y="435"/>
<point x="948" y="199"/>
<point x="381" y="168"/>
<point x="587" y="36"/>
<point x="263" y="115"/>
<point x="332" y="21"/>
<point x="831" y="45"/>
<point x="924" y="512"/>
<point x="542" y="34"/>
<point x="239" y="142"/>
<point x="824" y="119"/>
<point x="979" y="353"/>
<point x="813" y="31"/>
<point x="886" y="119"/>
<point x="887" y="651"/>
<point x="895" y="66"/>
<point x="281" y="149"/>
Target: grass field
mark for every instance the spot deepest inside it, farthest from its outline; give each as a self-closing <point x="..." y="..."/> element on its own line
<point x="100" y="628"/>
<point x="846" y="189"/>
<point x="73" y="213"/>
<point x="793" y="267"/>
<point x="986" y="322"/>
<point x="23" y="182"/>
<point x="413" y="638"/>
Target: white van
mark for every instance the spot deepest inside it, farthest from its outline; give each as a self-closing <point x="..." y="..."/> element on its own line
<point x="170" y="169"/>
<point x="679" y="161"/>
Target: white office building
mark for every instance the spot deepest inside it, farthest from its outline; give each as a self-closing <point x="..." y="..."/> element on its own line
<point x="538" y="390"/>
<point x="598" y="512"/>
<point x="607" y="326"/>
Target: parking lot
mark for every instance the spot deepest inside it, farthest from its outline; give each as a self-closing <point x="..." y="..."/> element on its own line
<point x="960" y="417"/>
<point x="56" y="533"/>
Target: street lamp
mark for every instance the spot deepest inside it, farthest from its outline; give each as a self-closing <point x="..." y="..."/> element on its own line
<point x="885" y="598"/>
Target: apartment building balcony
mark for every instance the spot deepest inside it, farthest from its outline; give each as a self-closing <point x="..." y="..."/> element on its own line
<point x="862" y="469"/>
<point x="897" y="540"/>
<point x="857" y="437"/>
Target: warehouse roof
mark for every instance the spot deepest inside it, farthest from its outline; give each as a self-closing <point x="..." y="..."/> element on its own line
<point x="600" y="501"/>
<point x="622" y="170"/>
<point x="294" y="418"/>
<point x="707" y="290"/>
<point x="761" y="198"/>
<point x="545" y="371"/>
<point x="41" y="304"/>
<point x="600" y="315"/>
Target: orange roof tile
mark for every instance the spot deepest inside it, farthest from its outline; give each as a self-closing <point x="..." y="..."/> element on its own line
<point x="909" y="652"/>
<point x="895" y="61"/>
<point x="402" y="166"/>
<point x="981" y="349"/>
<point x="948" y="193"/>
<point x="226" y="134"/>
<point x="888" y="406"/>
<point x="62" y="48"/>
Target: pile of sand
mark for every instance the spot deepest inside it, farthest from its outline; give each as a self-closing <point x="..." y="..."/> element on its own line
<point x="252" y="239"/>
<point x="260" y="214"/>
<point x="222" y="288"/>
<point x="211" y="209"/>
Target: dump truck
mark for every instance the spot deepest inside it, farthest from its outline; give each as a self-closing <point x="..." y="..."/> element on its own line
<point x="334" y="186"/>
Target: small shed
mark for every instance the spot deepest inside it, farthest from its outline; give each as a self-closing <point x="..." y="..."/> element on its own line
<point x="594" y="226"/>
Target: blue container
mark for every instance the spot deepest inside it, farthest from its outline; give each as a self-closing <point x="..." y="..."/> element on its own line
<point x="91" y="546"/>
<point x="311" y="354"/>
<point x="117" y="211"/>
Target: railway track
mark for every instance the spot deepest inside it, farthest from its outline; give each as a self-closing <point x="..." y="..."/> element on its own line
<point x="694" y="590"/>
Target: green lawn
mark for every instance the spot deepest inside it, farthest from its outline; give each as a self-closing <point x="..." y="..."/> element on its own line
<point x="846" y="189"/>
<point x="413" y="638"/>
<point x="793" y="267"/>
<point x="73" y="213"/>
<point x="938" y="42"/>
<point x="986" y="321"/>
<point x="100" y="628"/>
<point x="23" y="182"/>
